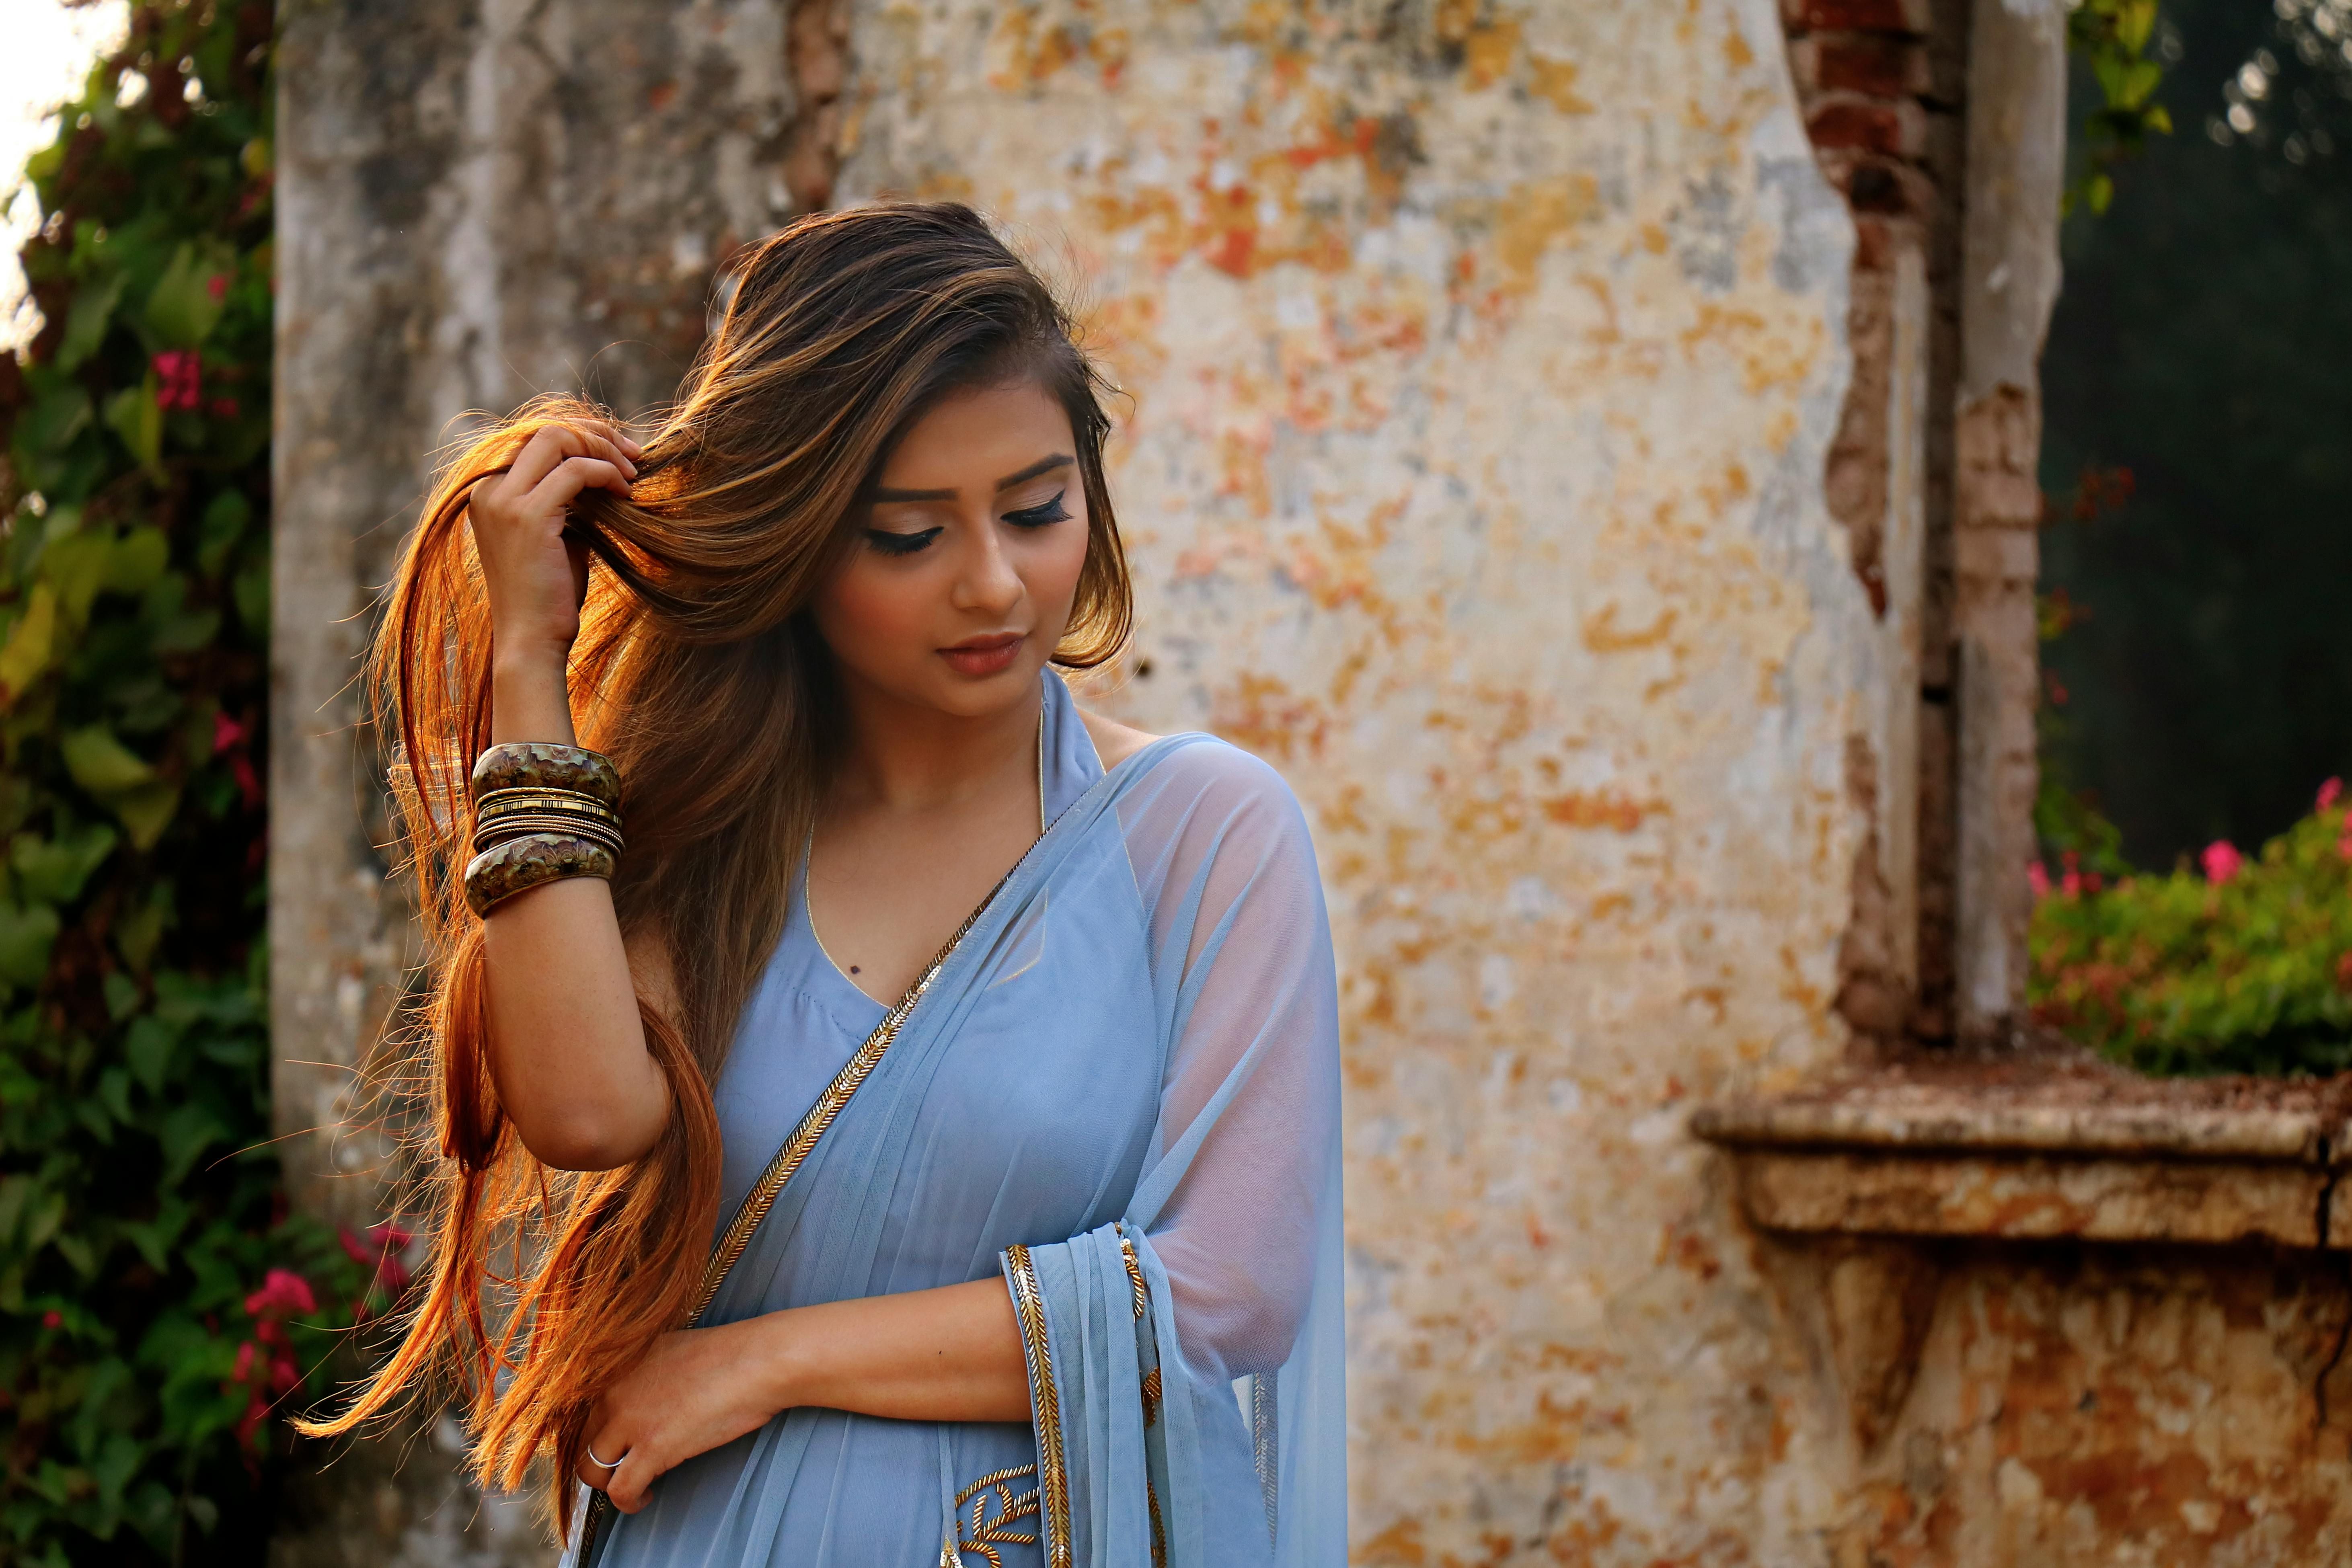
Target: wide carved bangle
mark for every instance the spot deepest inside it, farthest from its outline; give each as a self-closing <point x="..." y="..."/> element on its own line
<point x="543" y="765"/>
<point x="518" y="866"/>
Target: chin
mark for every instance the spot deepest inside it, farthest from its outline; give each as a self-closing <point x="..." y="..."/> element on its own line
<point x="975" y="697"/>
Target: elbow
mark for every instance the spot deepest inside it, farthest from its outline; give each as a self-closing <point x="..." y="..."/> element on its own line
<point x="588" y="1143"/>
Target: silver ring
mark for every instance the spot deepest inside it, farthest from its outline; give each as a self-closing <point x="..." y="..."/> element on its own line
<point x="605" y="1464"/>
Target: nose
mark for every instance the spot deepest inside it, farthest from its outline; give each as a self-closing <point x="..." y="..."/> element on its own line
<point x="987" y="585"/>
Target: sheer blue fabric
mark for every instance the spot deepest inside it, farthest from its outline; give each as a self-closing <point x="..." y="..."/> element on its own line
<point x="1120" y="1093"/>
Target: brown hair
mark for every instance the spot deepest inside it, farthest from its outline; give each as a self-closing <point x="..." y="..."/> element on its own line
<point x="698" y="672"/>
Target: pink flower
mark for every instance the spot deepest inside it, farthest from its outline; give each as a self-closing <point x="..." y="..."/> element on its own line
<point x="227" y="732"/>
<point x="2221" y="860"/>
<point x="216" y="284"/>
<point x="2329" y="793"/>
<point x="283" y="1293"/>
<point x="179" y="376"/>
<point x="2038" y="878"/>
<point x="52" y="1319"/>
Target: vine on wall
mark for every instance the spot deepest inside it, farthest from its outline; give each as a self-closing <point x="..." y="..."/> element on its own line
<point x="157" y="1304"/>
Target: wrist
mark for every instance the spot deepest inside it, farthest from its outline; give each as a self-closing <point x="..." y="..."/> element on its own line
<point x="531" y="696"/>
<point x="786" y="1379"/>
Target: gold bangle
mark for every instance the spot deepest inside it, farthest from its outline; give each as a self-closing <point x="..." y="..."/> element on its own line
<point x="515" y="803"/>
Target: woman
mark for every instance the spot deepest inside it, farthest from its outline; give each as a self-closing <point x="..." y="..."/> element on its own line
<point x="995" y="1043"/>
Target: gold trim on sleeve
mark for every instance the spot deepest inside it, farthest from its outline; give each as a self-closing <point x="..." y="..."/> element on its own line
<point x="1045" y="1403"/>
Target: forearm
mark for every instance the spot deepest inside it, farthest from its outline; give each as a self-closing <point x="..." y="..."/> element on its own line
<point x="946" y="1354"/>
<point x="568" y="1048"/>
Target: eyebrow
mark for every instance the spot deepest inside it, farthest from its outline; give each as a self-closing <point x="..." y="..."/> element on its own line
<point x="1043" y="466"/>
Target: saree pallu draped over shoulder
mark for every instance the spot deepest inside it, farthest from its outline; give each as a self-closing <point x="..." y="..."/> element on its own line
<point x="1117" y="1088"/>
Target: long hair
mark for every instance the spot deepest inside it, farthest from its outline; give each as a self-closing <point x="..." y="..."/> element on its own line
<point x="696" y="670"/>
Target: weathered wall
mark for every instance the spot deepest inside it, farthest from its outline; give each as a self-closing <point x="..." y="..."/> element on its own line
<point x="1485" y="359"/>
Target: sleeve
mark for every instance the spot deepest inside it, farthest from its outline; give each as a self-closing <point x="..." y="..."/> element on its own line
<point x="1136" y="1333"/>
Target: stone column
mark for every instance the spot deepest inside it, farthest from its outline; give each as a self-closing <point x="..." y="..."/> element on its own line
<point x="478" y="201"/>
<point x="2016" y="169"/>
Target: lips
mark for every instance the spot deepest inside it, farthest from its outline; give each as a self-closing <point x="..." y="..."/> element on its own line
<point x="983" y="655"/>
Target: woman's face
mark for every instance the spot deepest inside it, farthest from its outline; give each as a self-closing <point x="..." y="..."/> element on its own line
<point x="958" y="588"/>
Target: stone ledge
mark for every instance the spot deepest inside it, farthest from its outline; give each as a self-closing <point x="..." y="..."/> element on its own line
<point x="2058" y="1149"/>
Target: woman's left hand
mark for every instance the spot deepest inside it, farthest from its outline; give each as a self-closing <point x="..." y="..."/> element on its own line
<point x="695" y="1390"/>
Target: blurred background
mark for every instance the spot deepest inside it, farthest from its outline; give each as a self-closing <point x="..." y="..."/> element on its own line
<point x="1835" y="832"/>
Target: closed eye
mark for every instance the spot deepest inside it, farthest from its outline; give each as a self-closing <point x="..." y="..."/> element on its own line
<point x="885" y="542"/>
<point x="1039" y="516"/>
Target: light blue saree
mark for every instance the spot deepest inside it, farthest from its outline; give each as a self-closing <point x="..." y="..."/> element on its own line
<point x="1119" y="1090"/>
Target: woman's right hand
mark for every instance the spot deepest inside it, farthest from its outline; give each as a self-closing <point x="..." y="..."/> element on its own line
<point x="535" y="576"/>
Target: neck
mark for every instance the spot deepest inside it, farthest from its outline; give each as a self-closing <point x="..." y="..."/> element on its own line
<point x="903" y="757"/>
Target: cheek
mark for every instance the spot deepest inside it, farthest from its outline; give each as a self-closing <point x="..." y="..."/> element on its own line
<point x="1055" y="563"/>
<point x="869" y="609"/>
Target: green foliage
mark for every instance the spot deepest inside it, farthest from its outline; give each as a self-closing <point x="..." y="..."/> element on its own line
<point x="155" y="1303"/>
<point x="2246" y="967"/>
<point x="2111" y="37"/>
<point x="2201" y="341"/>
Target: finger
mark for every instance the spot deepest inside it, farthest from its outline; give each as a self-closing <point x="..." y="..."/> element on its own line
<point x="630" y="1482"/>
<point x="608" y="447"/>
<point x="573" y="475"/>
<point x="608" y="440"/>
<point x="540" y="455"/>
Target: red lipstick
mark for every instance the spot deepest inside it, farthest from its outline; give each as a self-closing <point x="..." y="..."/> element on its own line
<point x="983" y="655"/>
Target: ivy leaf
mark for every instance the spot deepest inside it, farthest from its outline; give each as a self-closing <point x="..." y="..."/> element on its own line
<point x="133" y="414"/>
<point x="26" y="932"/>
<point x="148" y="1050"/>
<point x="147" y="811"/>
<point x="76" y="564"/>
<point x="137" y="560"/>
<point x="30" y="642"/>
<point x="53" y="871"/>
<point x="101" y="764"/>
<point x="185" y="305"/>
<point x="224" y="521"/>
<point x="187" y="1131"/>
<point x="59" y="412"/>
<point x="86" y="323"/>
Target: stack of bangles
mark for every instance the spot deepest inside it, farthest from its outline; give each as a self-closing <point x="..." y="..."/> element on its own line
<point x="541" y="813"/>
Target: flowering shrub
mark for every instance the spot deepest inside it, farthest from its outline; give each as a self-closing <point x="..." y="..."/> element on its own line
<point x="2242" y="965"/>
<point x="156" y="1303"/>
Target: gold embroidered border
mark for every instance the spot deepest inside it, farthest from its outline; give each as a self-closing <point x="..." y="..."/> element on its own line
<point x="1134" y="1276"/>
<point x="1046" y="1401"/>
<point x="794" y="1153"/>
<point x="987" y="1534"/>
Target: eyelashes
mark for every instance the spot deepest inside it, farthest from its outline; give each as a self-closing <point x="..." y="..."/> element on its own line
<point x="1043" y="515"/>
<point x="1037" y="516"/>
<point x="887" y="543"/>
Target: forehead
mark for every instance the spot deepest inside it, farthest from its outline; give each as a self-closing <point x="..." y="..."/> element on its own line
<point x="977" y="436"/>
